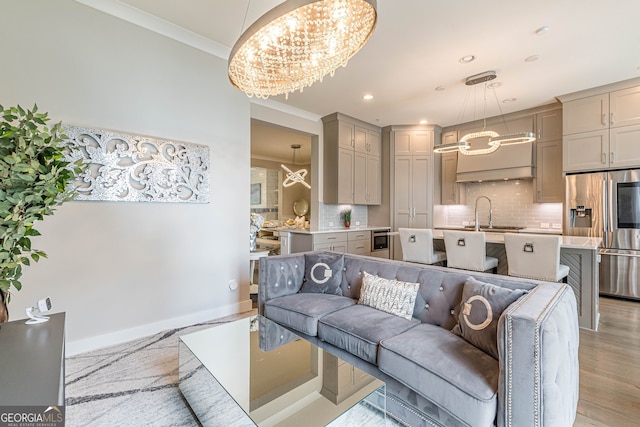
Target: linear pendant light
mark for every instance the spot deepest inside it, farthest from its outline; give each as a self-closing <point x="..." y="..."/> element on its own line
<point x="299" y="42"/>
<point x="495" y="140"/>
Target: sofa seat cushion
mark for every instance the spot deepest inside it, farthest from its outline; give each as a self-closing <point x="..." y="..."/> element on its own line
<point x="445" y="369"/>
<point x="360" y="328"/>
<point x="301" y="311"/>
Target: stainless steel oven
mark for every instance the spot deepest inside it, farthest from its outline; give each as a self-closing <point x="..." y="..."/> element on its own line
<point x="380" y="243"/>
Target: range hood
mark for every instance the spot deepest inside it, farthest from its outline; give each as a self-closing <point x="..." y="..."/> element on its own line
<point x="508" y="162"/>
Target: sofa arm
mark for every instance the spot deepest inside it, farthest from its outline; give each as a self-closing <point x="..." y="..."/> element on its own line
<point x="538" y="341"/>
<point x="279" y="276"/>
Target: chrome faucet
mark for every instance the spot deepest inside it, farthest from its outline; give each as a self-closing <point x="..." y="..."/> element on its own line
<point x="490" y="213"/>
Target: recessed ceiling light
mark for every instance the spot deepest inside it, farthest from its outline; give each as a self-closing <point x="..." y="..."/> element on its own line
<point x="424" y="122"/>
<point x="542" y="30"/>
<point x="441" y="88"/>
<point x="494" y="85"/>
<point x="531" y="58"/>
<point x="367" y="97"/>
<point x="507" y="100"/>
<point x="466" y="59"/>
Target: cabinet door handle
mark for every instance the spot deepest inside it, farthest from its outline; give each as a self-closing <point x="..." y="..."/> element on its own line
<point x="613" y="119"/>
<point x="604" y="157"/>
<point x="611" y="158"/>
<point x="604" y="120"/>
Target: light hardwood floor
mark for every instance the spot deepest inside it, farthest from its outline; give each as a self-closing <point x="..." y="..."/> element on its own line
<point x="610" y="367"/>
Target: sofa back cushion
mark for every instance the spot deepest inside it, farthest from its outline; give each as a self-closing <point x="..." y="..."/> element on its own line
<point x="440" y="293"/>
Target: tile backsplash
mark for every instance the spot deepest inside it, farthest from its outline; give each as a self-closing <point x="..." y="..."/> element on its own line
<point x="512" y="203"/>
<point x="331" y="214"/>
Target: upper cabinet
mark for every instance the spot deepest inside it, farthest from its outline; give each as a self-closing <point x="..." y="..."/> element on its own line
<point x="413" y="142"/>
<point x="548" y="182"/>
<point x="451" y="193"/>
<point x="602" y="131"/>
<point x="352" y="172"/>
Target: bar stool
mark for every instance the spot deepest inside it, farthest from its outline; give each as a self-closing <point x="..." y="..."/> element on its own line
<point x="468" y="250"/>
<point x="535" y="257"/>
<point x="417" y="246"/>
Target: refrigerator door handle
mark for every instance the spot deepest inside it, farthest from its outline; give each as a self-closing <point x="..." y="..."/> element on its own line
<point x="613" y="252"/>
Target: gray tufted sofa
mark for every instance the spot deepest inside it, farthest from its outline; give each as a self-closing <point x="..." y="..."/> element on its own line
<point x="433" y="376"/>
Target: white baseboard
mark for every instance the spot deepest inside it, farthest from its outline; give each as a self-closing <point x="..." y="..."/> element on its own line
<point x="88" y="344"/>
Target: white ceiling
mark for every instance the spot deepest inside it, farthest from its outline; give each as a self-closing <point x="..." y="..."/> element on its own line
<point x="417" y="44"/>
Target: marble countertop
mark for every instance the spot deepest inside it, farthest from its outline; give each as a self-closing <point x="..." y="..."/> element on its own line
<point x="329" y="230"/>
<point x="575" y="242"/>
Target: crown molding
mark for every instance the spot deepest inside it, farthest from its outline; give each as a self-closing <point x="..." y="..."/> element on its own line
<point x="153" y="23"/>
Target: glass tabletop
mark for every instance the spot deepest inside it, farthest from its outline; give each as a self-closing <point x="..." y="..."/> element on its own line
<point x="275" y="377"/>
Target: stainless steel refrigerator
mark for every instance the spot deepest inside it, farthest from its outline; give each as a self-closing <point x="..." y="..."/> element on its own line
<point x="607" y="205"/>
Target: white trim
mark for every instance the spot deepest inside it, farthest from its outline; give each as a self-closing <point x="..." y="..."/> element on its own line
<point x="88" y="344"/>
<point x="158" y="25"/>
<point x="284" y="108"/>
<point x="600" y="90"/>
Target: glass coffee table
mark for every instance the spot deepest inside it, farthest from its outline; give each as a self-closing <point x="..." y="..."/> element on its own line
<point x="255" y="372"/>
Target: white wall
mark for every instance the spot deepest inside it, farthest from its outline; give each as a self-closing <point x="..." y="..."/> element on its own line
<point x="120" y="270"/>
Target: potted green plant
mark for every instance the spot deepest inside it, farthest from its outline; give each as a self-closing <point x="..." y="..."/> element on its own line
<point x="34" y="179"/>
<point x="345" y="214"/>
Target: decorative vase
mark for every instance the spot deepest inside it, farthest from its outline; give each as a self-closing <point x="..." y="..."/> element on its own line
<point x="347" y="224"/>
<point x="4" y="310"/>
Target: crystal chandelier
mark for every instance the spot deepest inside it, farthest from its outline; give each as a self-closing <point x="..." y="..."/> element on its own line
<point x="495" y="140"/>
<point x="299" y="42"/>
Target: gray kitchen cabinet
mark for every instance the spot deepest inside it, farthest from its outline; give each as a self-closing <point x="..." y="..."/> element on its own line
<point x="549" y="125"/>
<point x="354" y="242"/>
<point x="351" y="161"/>
<point x="603" y="149"/>
<point x="450" y="137"/>
<point x="604" y="111"/>
<point x="549" y="183"/>
<point x="413" y="142"/>
<point x="366" y="179"/>
<point x="359" y="242"/>
<point x="336" y="242"/>
<point x="344" y="172"/>
<point x="451" y="193"/>
<point x="413" y="193"/>
<point x="411" y="177"/>
<point x="601" y="131"/>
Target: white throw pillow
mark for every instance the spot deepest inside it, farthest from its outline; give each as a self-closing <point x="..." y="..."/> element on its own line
<point x="389" y="295"/>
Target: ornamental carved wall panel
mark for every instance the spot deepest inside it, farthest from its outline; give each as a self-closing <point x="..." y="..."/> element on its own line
<point x="139" y="169"/>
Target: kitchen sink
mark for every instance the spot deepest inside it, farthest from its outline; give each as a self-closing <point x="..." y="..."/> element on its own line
<point x="496" y="228"/>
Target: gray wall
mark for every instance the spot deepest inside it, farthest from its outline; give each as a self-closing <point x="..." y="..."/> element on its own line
<point x="121" y="270"/>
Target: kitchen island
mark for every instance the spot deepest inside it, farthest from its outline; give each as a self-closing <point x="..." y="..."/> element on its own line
<point x="579" y="253"/>
<point x="360" y="240"/>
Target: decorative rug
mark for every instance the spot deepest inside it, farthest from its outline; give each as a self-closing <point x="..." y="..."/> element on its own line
<point x="136" y="384"/>
<point x="133" y="384"/>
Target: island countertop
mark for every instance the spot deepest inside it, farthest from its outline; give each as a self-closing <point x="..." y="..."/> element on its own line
<point x="575" y="242"/>
<point x="328" y="230"/>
